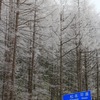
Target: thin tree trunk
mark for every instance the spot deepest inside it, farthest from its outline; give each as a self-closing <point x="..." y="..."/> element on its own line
<point x="97" y="75"/>
<point x="61" y="65"/>
<point x="31" y="70"/>
<point x="14" y="52"/>
<point x="0" y="8"/>
<point x="4" y="70"/>
<point x="78" y="54"/>
<point x="10" y="55"/>
<point x="79" y="69"/>
<point x="86" y="77"/>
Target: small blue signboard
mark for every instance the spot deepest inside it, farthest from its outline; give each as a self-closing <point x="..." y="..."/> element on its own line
<point x="85" y="95"/>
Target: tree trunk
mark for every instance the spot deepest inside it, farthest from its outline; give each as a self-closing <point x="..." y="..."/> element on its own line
<point x="61" y="64"/>
<point x="0" y="8"/>
<point x="79" y="76"/>
<point x="10" y="55"/>
<point x="31" y="70"/>
<point x="14" y="53"/>
<point x="85" y="65"/>
<point x="97" y="75"/>
<point x="78" y="51"/>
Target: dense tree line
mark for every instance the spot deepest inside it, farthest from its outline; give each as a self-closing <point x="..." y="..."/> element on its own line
<point x="48" y="48"/>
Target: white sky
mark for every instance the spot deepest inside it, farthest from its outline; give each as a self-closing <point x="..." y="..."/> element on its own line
<point x="96" y="3"/>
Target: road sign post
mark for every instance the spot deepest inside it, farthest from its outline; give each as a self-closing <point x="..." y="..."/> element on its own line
<point x="85" y="95"/>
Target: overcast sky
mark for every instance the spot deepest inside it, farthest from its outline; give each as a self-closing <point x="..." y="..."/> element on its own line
<point x="97" y="4"/>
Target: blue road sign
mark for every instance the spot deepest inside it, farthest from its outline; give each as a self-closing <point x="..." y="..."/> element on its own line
<point x="85" y="95"/>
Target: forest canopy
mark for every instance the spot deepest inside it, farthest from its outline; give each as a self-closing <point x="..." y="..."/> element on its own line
<point x="48" y="48"/>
